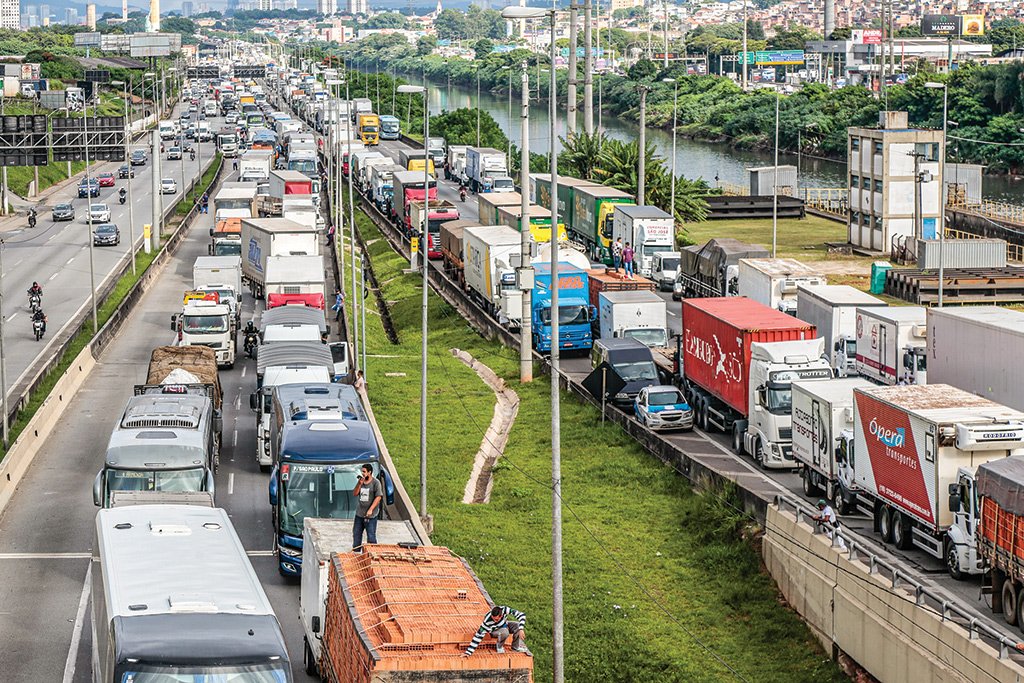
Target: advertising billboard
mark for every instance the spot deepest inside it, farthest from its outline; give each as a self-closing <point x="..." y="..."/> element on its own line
<point x="940" y="25"/>
<point x="973" y="25"/>
<point x="866" y="36"/>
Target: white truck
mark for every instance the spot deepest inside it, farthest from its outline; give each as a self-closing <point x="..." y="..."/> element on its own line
<point x="774" y="281"/>
<point x="207" y="323"/>
<point x="488" y="270"/>
<point x="210" y="107"/>
<point x="382" y="184"/>
<point x="483" y="165"/>
<point x="365" y="179"/>
<point x="221" y="274"/>
<point x="892" y="345"/>
<point x="455" y="163"/>
<point x="255" y="165"/>
<point x="639" y="315"/>
<point x="822" y="411"/>
<point x="288" y="363"/>
<point x="968" y="345"/>
<point x="295" y="280"/>
<point x="263" y="238"/>
<point x="168" y="129"/>
<point x="321" y="540"/>
<point x="912" y="449"/>
<point x="832" y="309"/>
<point x="648" y="230"/>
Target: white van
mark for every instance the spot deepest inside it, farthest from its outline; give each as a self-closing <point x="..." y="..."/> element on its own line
<point x="210" y="107"/>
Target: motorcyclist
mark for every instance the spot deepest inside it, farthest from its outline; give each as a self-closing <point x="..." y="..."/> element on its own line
<point x="32" y="218"/>
<point x="40" y="316"/>
<point x="462" y="193"/>
<point x="193" y="155"/>
<point x="122" y="193"/>
<point x="251" y="338"/>
<point x="35" y="290"/>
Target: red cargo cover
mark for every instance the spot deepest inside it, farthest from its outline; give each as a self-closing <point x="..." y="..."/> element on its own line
<point x="717" y="334"/>
<point x="311" y="300"/>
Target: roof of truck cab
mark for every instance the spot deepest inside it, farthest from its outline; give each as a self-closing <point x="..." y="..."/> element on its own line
<point x="293" y="354"/>
<point x="334" y="440"/>
<point x="299" y="397"/>
<point x="293" y="314"/>
<point x="635" y="212"/>
<point x="160" y="431"/>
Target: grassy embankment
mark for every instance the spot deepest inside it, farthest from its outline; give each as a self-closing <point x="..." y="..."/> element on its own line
<point x="637" y="540"/>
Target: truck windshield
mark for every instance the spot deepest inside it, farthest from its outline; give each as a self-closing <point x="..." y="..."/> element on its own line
<point x="232" y="248"/>
<point x="369" y="129"/>
<point x="503" y="185"/>
<point x="650" y="337"/>
<point x="780" y="400"/>
<point x="323" y="491"/>
<point x="155" y="480"/>
<point x="240" y="673"/>
<point x="206" y="324"/>
<point x="567" y="315"/>
<point x="636" y="371"/>
<point x="670" y="264"/>
<point x="389" y="127"/>
<point x="302" y="166"/>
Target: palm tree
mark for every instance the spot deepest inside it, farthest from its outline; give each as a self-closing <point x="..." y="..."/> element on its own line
<point x="579" y="154"/>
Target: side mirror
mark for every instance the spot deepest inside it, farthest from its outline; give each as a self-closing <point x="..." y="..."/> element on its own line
<point x="953" y="489"/>
<point x="208" y="482"/>
<point x="954" y="503"/>
<point x="97" y="489"/>
<point x="273" y="488"/>
<point x="254" y="401"/>
<point x="593" y="312"/>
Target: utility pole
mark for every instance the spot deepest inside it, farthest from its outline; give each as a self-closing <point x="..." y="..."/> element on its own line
<point x="128" y="160"/>
<point x="3" y="358"/>
<point x="573" y="39"/>
<point x="743" y="57"/>
<point x="588" y="67"/>
<point x="664" y="7"/>
<point x="641" y="177"/>
<point x="88" y="217"/>
<point x="775" y="182"/>
<point x="525" y="270"/>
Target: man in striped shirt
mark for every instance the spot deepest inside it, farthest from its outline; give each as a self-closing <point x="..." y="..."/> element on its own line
<point x="499" y="623"/>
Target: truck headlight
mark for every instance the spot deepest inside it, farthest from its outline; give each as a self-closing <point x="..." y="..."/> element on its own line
<point x="289" y="552"/>
<point x="622" y="395"/>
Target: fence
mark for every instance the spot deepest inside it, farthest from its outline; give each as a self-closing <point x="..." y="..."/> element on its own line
<point x="830" y="200"/>
<point x="1014" y="252"/>
<point x="1000" y="211"/>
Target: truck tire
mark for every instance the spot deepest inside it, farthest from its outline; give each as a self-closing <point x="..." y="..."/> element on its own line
<point x="952" y="558"/>
<point x="839" y="503"/>
<point x="308" y="662"/>
<point x="902" y="530"/>
<point x="883" y="520"/>
<point x="1010" y="604"/>
<point x="810" y="488"/>
<point x="737" y="440"/>
<point x="757" y="453"/>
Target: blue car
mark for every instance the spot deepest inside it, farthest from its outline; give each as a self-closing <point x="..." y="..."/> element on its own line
<point x="661" y="408"/>
<point x="88" y="188"/>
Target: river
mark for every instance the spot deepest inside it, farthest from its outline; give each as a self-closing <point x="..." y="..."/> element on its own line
<point x="716" y="163"/>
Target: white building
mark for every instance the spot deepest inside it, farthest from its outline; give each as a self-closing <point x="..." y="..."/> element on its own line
<point x="358" y="7"/>
<point x="327" y="8"/>
<point x="10" y="14"/>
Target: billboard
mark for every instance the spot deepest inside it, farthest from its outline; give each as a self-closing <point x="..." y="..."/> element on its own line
<point x="940" y="25"/>
<point x="115" y="42"/>
<point x="87" y="39"/>
<point x="973" y="25"/>
<point x="779" y="57"/>
<point x="867" y="36"/>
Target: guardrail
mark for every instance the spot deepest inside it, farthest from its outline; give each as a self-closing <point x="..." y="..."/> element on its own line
<point x="1001" y="211"/>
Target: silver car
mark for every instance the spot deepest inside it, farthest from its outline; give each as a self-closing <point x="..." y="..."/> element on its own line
<point x="168" y="186"/>
<point x="99" y="213"/>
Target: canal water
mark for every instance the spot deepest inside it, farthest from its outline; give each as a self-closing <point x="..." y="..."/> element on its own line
<point x="716" y="163"/>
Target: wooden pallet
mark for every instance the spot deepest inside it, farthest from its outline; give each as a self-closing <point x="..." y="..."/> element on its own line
<point x="960" y="285"/>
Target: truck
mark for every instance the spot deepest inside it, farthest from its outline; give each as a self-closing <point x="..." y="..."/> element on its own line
<point x="998" y="512"/>
<point x="263" y="238"/>
<point x="712" y="269"/>
<point x="540" y="194"/>
<point x="489" y="275"/>
<point x="648" y="229"/>
<point x="593" y="217"/>
<point x="640" y="315"/>
<point x="168" y="129"/>
<point x="283" y="183"/>
<point x="360" y="105"/>
<point x="255" y="165"/>
<point x="303" y="160"/>
<point x="359" y="160"/>
<point x="322" y="539"/>
<point x="382" y="186"/>
<point x="287" y="126"/>
<point x="390" y="127"/>
<point x="832" y="309"/>
<point x="169" y="365"/>
<point x="408" y="187"/>
<point x="221" y="274"/>
<point x="539" y="220"/>
<point x="740" y="359"/>
<point x="452" y="233"/>
<point x="605" y="280"/>
<point x="364" y="178"/>
<point x="575" y="314"/>
<point x="368" y="126"/>
<point x="891" y="344"/>
<point x="236" y="198"/>
<point x="483" y="165"/>
<point x="437" y="151"/>
<point x="227" y="143"/>
<point x="207" y="323"/>
<point x="210" y="107"/>
<point x="488" y="204"/>
<point x="966" y="347"/>
<point x="413" y="648"/>
<point x="914" y="450"/>
<point x="295" y="280"/>
<point x="440" y="211"/>
<point x="774" y="281"/>
<point x="200" y="609"/>
<point x="226" y="238"/>
<point x="316" y="465"/>
<point x="821" y="412"/>
<point x="455" y="164"/>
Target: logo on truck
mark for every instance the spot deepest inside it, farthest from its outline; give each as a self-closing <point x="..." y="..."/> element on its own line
<point x="893" y="438"/>
<point x="254" y="254"/>
<point x="725" y="365"/>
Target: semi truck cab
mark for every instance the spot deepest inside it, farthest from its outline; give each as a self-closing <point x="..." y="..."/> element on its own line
<point x="207" y="323"/>
<point x="575" y="313"/>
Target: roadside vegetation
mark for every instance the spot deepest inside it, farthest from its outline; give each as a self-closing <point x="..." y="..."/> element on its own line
<point x="800" y="238"/>
<point x="657" y="578"/>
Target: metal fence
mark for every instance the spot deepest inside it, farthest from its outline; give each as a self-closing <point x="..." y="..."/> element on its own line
<point x="1014" y="252"/>
<point x="830" y="200"/>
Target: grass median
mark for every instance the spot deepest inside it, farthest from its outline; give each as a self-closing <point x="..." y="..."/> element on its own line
<point x="657" y="578"/>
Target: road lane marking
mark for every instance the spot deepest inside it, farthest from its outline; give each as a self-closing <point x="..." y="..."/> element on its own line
<point x="17" y="263"/>
<point x="11" y="317"/>
<point x="234" y="439"/>
<point x="243" y="371"/>
<point x="238" y="401"/>
<point x="231" y="483"/>
<point x="673" y="313"/>
<point x="51" y="277"/>
<point x="76" y="634"/>
<point x="68" y="262"/>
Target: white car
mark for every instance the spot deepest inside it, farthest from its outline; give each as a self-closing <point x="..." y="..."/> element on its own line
<point x="662" y="407"/>
<point x="168" y="186"/>
<point x="99" y="213"/>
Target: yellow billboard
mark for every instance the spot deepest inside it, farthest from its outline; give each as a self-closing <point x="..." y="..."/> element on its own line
<point x="973" y="25"/>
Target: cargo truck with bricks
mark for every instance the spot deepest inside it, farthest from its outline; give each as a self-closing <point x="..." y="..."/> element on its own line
<point x="909" y="449"/>
<point x="740" y="359"/>
<point x="1000" y="507"/>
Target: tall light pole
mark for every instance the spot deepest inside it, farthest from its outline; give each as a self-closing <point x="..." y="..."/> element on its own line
<point x="573" y="66"/>
<point x="557" y="611"/>
<point x="424" y="246"/>
<point x="641" y="174"/>
<point x="157" y="198"/>
<point x="675" y="102"/>
<point x="775" y="182"/>
<point x="942" y="182"/>
<point x="743" y="58"/>
<point x="88" y="214"/>
<point x="477" y="107"/>
<point x="127" y="160"/>
<point x="3" y="361"/>
<point x="664" y="7"/>
<point x="525" y="269"/>
<point x="588" y="67"/>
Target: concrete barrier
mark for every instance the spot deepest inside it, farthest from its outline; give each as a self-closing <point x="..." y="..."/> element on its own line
<point x="857" y="611"/>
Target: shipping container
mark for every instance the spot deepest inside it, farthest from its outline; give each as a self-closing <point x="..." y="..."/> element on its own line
<point x="488" y="203"/>
<point x="289" y="182"/>
<point x="451" y="248"/>
<point x="540" y="194"/>
<point x="763" y="181"/>
<point x="891" y="343"/>
<point x="969" y="253"/>
<point x="977" y="348"/>
<point x="408" y="614"/>
<point x="832" y="309"/>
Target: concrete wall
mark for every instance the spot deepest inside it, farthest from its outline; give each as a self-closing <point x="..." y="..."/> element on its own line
<point x="883" y="629"/>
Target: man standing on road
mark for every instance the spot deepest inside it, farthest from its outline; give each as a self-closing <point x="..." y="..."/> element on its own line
<point x="627" y="260"/>
<point x="499" y="623"/>
<point x="368" y="494"/>
<point x="339" y="302"/>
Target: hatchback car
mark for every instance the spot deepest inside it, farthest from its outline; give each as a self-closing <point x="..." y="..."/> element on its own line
<point x="99" y="213"/>
<point x="661" y="408"/>
<point x="138" y="158"/>
<point x="106" y="179"/>
<point x="63" y="212"/>
<point x="168" y="186"/>
<point x="106" y="234"/>
<point x="88" y="188"/>
<point x="125" y="171"/>
<point x="174" y="153"/>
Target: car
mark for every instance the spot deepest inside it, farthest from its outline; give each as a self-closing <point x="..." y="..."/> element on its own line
<point x="106" y="179"/>
<point x="194" y="107"/>
<point x="63" y="212"/>
<point x="106" y="234"/>
<point x="661" y="408"/>
<point x="125" y="171"/>
<point x="174" y="153"/>
<point x="88" y="188"/>
<point x="99" y="213"/>
<point x="138" y="158"/>
<point x="168" y="186"/>
<point x="231" y="118"/>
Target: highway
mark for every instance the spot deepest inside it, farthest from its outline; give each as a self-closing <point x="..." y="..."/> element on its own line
<point x="56" y="255"/>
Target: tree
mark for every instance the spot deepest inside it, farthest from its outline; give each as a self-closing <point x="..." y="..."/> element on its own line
<point x="425" y="45"/>
<point x="459" y="127"/>
<point x="793" y="38"/>
<point x="483" y="48"/>
<point x="579" y="154"/>
<point x="643" y="70"/>
<point x="387" y="20"/>
<point x="450" y="24"/>
<point x="178" y="25"/>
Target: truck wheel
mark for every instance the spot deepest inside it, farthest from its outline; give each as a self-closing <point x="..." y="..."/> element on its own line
<point x="839" y="501"/>
<point x="308" y="662"/>
<point x="1010" y="605"/>
<point x="704" y="416"/>
<point x="758" y="454"/>
<point x="883" y="519"/>
<point x="902" y="530"/>
<point x="810" y="488"/>
<point x="949" y="551"/>
<point x="737" y="440"/>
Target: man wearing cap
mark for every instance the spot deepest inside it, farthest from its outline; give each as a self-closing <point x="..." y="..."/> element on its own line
<point x="499" y="623"/>
<point x="827" y="520"/>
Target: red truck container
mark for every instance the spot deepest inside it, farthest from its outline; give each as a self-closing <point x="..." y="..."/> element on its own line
<point x="408" y="187"/>
<point x="289" y="182"/>
<point x="602" y="280"/>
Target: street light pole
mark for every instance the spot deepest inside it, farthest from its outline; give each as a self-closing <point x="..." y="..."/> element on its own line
<point x="526" y="270"/>
<point x="641" y="177"/>
<point x="88" y="217"/>
<point x="675" y="102"/>
<point x="588" y="68"/>
<point x="573" y="66"/>
<point x="942" y="184"/>
<point x="775" y="182"/>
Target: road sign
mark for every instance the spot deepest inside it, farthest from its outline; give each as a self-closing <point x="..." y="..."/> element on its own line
<point x="97" y="75"/>
<point x="87" y="39"/>
<point x="745" y="58"/>
<point x="779" y="57"/>
<point x="414" y="244"/>
<point x="106" y="138"/>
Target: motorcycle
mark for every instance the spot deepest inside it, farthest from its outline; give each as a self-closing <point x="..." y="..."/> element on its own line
<point x="32" y="218"/>
<point x="121" y="198"/>
<point x="251" y="340"/>
<point x="462" y="194"/>
<point x="34" y="302"/>
<point x="37" y="328"/>
<point x="193" y="155"/>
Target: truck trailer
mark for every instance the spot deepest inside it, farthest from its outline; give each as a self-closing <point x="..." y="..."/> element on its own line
<point x="639" y="315"/>
<point x="488" y="272"/>
<point x="483" y="166"/>
<point x="263" y="238"/>
<point x="832" y="309"/>
<point x="713" y="268"/>
<point x="440" y="212"/>
<point x="891" y="344"/>
<point x="774" y="281"/>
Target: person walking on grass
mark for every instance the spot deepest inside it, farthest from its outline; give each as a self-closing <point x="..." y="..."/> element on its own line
<point x="499" y="623"/>
<point x="627" y="261"/>
<point x="368" y="494"/>
<point x="617" y="254"/>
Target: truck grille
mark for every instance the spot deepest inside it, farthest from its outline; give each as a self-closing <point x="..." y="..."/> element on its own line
<point x="785" y="433"/>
